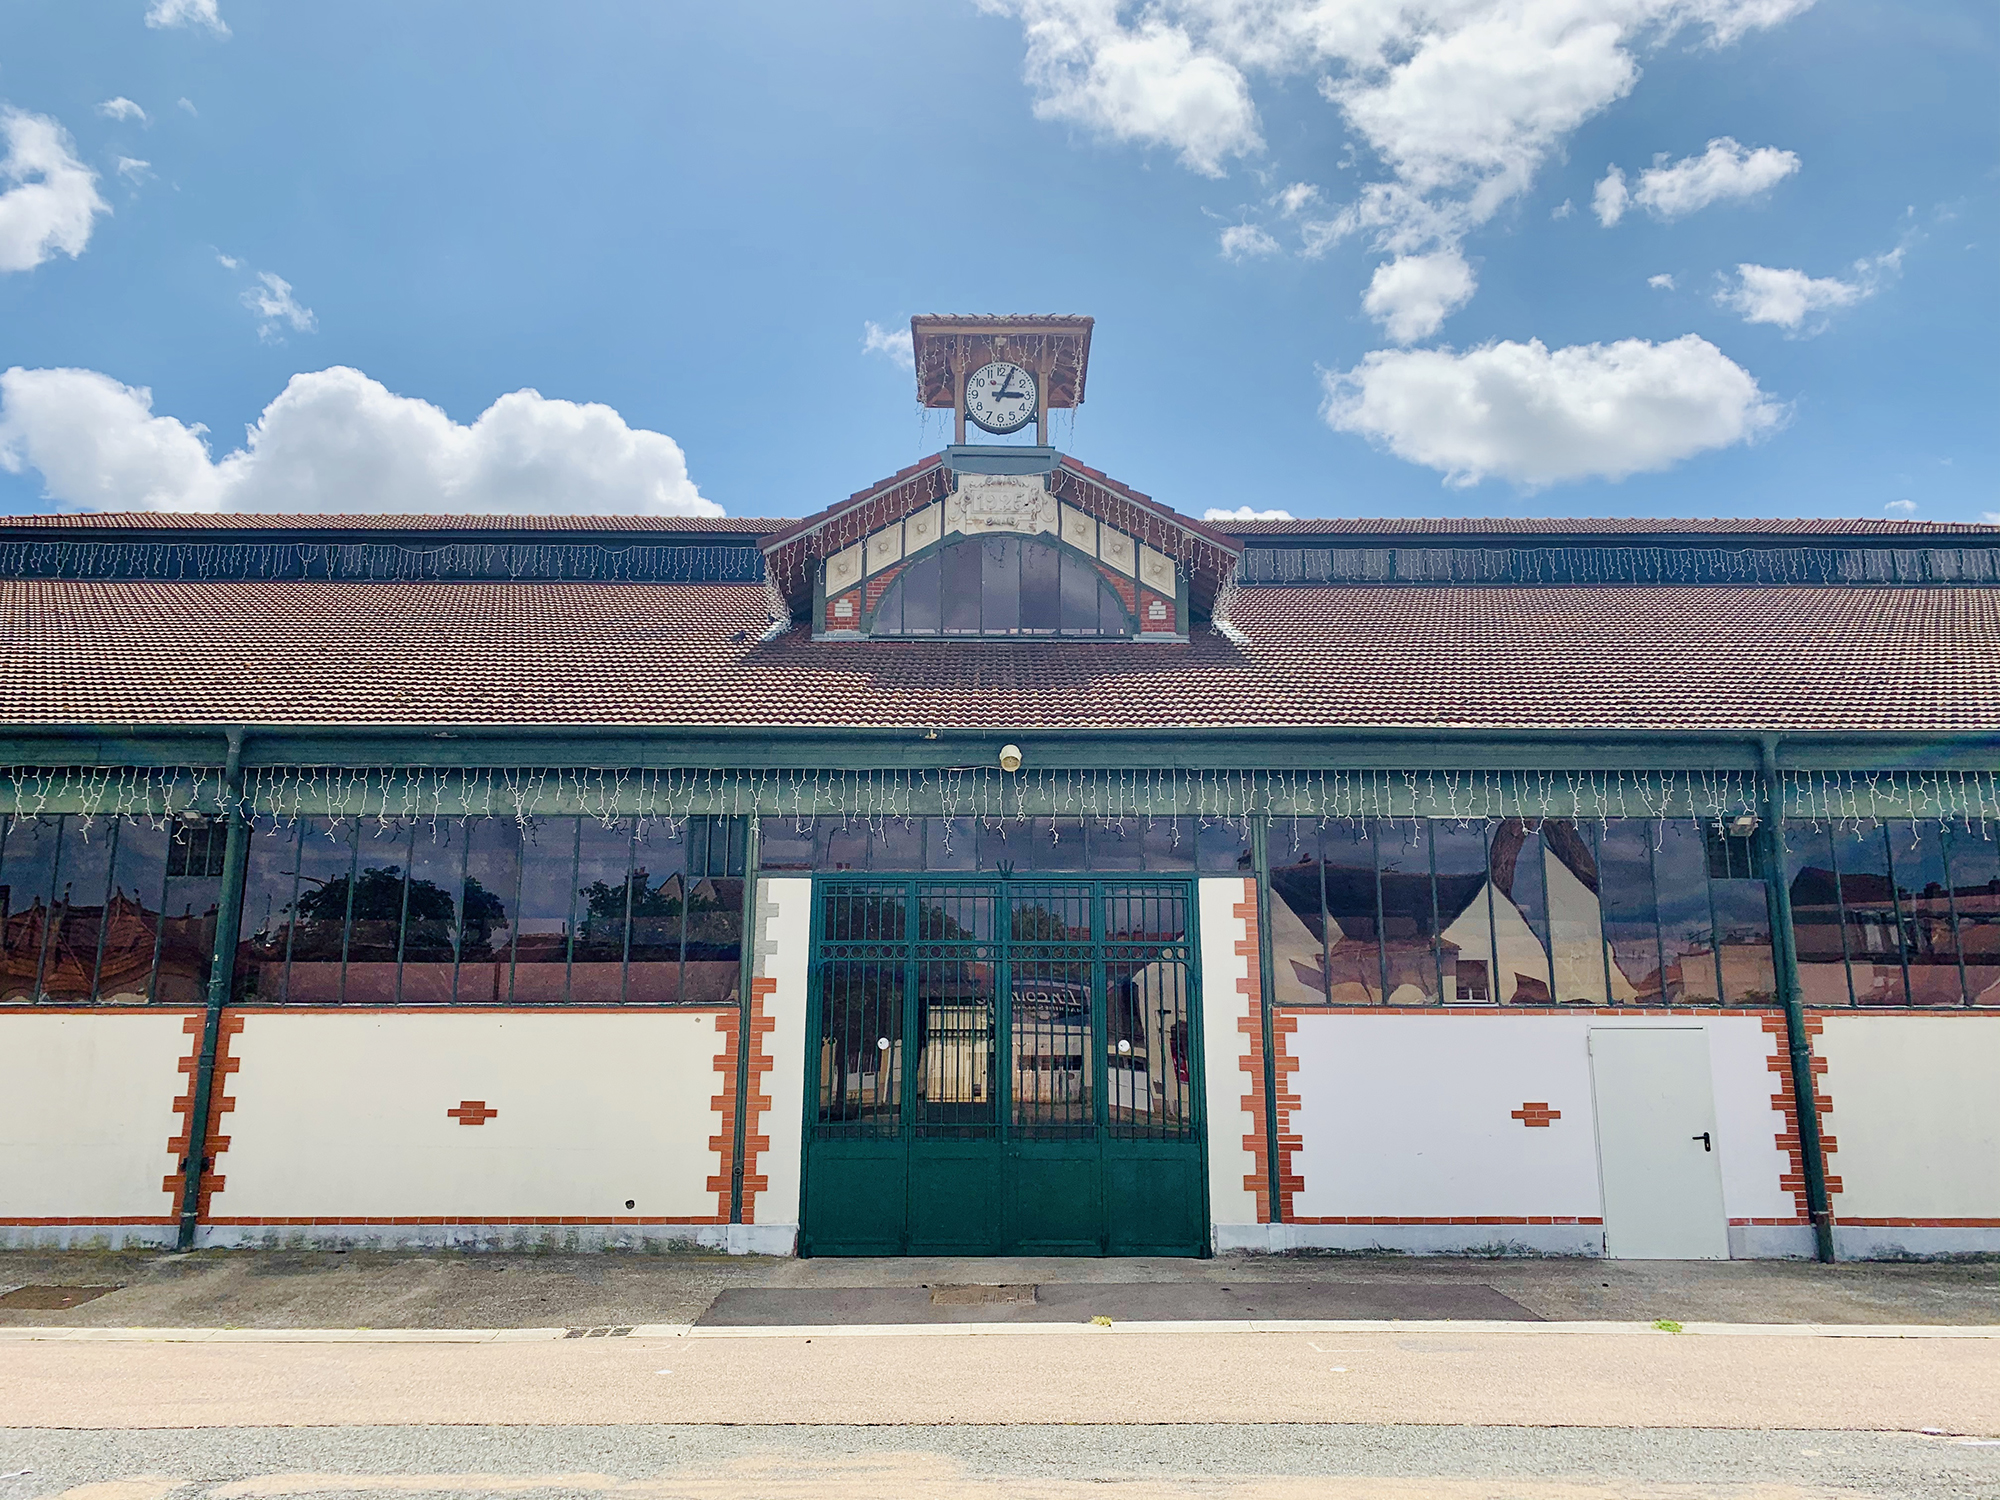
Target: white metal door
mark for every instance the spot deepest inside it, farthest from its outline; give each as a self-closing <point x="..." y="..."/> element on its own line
<point x="1657" y="1157"/>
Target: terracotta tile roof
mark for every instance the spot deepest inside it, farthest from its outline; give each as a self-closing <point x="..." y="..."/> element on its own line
<point x="664" y="654"/>
<point x="1600" y="526"/>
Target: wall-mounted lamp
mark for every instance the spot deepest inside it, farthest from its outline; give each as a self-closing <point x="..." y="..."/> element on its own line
<point x="1010" y="757"/>
<point x="1743" y="825"/>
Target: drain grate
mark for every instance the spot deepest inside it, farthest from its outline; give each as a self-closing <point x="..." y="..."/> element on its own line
<point x="606" y="1332"/>
<point x="982" y="1296"/>
<point x="52" y="1298"/>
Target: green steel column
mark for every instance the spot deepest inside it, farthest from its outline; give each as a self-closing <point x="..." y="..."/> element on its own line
<point x="744" y="978"/>
<point x="1785" y="949"/>
<point x="1260" y="848"/>
<point x="221" y="970"/>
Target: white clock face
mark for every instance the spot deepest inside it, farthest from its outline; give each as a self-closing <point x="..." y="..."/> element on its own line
<point x="1000" y="397"/>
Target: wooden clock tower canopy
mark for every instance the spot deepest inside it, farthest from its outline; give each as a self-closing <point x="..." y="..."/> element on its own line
<point x="1054" y="348"/>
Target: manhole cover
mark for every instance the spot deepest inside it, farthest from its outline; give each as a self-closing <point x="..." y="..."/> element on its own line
<point x="980" y="1296"/>
<point x="52" y="1298"/>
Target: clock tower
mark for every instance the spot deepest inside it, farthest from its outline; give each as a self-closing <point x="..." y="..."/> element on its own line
<point x="1001" y="372"/>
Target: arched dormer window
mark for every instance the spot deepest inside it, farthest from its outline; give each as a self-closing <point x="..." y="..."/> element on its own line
<point x="1000" y="586"/>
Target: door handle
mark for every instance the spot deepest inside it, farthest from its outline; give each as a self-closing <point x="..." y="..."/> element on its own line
<point x="1706" y="1143"/>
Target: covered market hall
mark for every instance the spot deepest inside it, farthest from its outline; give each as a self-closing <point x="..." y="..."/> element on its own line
<point x="1001" y="860"/>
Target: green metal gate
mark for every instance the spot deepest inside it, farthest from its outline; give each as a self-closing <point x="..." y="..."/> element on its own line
<point x="1002" y="1066"/>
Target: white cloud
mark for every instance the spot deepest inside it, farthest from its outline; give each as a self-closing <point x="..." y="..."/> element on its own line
<point x="1901" y="507"/>
<point x="1242" y="241"/>
<point x="1563" y="209"/>
<point x="1412" y="295"/>
<point x="336" y="441"/>
<point x="50" y="203"/>
<point x="1664" y="282"/>
<point x="132" y="169"/>
<point x="1294" y="200"/>
<point x="188" y="105"/>
<point x="1766" y="294"/>
<point x="186" y="13"/>
<point x="272" y="301"/>
<point x="1537" y="416"/>
<point x="1672" y="190"/>
<point x="122" y="108"/>
<point x="896" y="344"/>
<point x="228" y="262"/>
<point x="1245" y="513"/>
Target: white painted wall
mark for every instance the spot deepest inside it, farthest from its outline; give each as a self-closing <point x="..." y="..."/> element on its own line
<point x="1916" y="1115"/>
<point x="86" y="1111"/>
<point x="1410" y="1116"/>
<point x="784" y="954"/>
<point x="1224" y="1006"/>
<point x="343" y="1116"/>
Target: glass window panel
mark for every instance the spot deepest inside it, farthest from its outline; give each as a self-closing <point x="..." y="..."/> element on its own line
<point x="1116" y="844"/>
<point x="1631" y="919"/>
<point x="951" y="844"/>
<point x="1974" y="862"/>
<point x="888" y="616"/>
<point x="1874" y="944"/>
<point x="953" y="914"/>
<point x="187" y="937"/>
<point x="1680" y="884"/>
<point x="999" y="584"/>
<point x="956" y="1083"/>
<point x="132" y="915"/>
<point x="1111" y="616"/>
<point x="375" y="921"/>
<point x="1573" y="897"/>
<point x="1354" y="955"/>
<point x="1465" y="924"/>
<point x="659" y="907"/>
<point x="542" y="925"/>
<point x="1080" y="581"/>
<point x="896" y="845"/>
<point x="603" y="887"/>
<point x="1005" y="843"/>
<point x="27" y="879"/>
<point x="861" y="1040"/>
<point x="271" y="871"/>
<point x="1222" y="847"/>
<point x="1815" y="892"/>
<point x="1409" y="916"/>
<point x="841" y="844"/>
<point x="785" y="843"/>
<point x="1923" y="893"/>
<point x="1057" y="843"/>
<point x="1041" y="589"/>
<point x="713" y="972"/>
<point x="1052" y="1053"/>
<point x="486" y="911"/>
<point x="83" y="877"/>
<point x="327" y="851"/>
<point x="1520" y="913"/>
<point x="1145" y="1045"/>
<point x="1298" y="916"/>
<point x="1170" y="844"/>
<point x="1145" y="914"/>
<point x="920" y="586"/>
<point x="961" y="565"/>
<point x="430" y="912"/>
<point x="1743" y="928"/>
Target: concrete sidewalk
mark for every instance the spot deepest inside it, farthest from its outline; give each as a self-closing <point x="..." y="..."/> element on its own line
<point x="295" y="1289"/>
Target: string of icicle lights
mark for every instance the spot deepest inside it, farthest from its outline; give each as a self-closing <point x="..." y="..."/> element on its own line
<point x="525" y="793"/>
<point x="1802" y="567"/>
<point x="382" y="562"/>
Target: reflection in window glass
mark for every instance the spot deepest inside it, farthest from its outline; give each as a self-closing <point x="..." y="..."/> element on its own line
<point x="950" y="844"/>
<point x="1409" y="911"/>
<point x="270" y="879"/>
<point x="1973" y="858"/>
<point x="1041" y="590"/>
<point x="963" y="588"/>
<point x="83" y="878"/>
<point x="430" y="912"/>
<point x="1687" y="944"/>
<point x="1924" y="897"/>
<point x="132" y="914"/>
<point x="1298" y="915"/>
<point x="327" y="852"/>
<point x="542" y="926"/>
<point x="1816" y="923"/>
<point x="1573" y="883"/>
<point x="1000" y="584"/>
<point x="486" y="925"/>
<point x="659" y="909"/>
<point x="602" y="904"/>
<point x="1868" y="900"/>
<point x="187" y="926"/>
<point x="1631" y="922"/>
<point x="1353" y="955"/>
<point x="375" y="917"/>
<point x="712" y="963"/>
<point x="1520" y="914"/>
<point x="1465" y="935"/>
<point x="27" y="879"/>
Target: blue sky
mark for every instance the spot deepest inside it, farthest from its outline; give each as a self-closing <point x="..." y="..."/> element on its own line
<point x="676" y="223"/>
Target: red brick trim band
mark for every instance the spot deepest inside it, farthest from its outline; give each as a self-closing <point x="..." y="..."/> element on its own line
<point x="219" y="1104"/>
<point x="1922" y="1223"/>
<point x="1768" y="1223"/>
<point x="101" y="1219"/>
<point x="1785" y="1101"/>
<point x="723" y="1143"/>
<point x="1572" y="1011"/>
<point x="1473" y="1219"/>
<point x="1251" y="986"/>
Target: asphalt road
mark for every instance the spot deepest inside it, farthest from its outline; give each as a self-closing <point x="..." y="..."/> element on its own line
<point x="1362" y="1462"/>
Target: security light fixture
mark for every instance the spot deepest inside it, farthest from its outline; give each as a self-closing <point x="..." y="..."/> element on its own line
<point x="1742" y="825"/>
<point x="1010" y="757"/>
